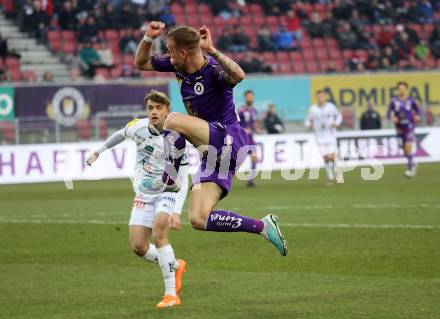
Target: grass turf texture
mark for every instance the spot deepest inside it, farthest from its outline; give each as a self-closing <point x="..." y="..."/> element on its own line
<point x="65" y="254"/>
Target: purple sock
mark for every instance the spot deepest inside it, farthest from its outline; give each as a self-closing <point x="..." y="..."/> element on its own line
<point x="174" y="146"/>
<point x="226" y="221"/>
<point x="410" y="161"/>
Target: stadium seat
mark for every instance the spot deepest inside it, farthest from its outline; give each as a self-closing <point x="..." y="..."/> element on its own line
<point x="312" y="66"/>
<point x="69" y="48"/>
<point x="68" y="36"/>
<point x="306" y="43"/>
<point x="15" y="75"/>
<point x="318" y="43"/>
<point x="204" y="9"/>
<point x="272" y="20"/>
<point x="7" y="130"/>
<point x="295" y="56"/>
<point x="246" y="21"/>
<point x="335" y="53"/>
<point x="27" y="75"/>
<point x="285" y="68"/>
<point x="176" y="8"/>
<point x="103" y="132"/>
<point x="190" y="9"/>
<point x="105" y="73"/>
<point x="256" y="8"/>
<point x="127" y="59"/>
<point x="299" y="67"/>
<point x="259" y="20"/>
<point x="84" y="129"/>
<point x="269" y="57"/>
<point x="55" y="45"/>
<point x="180" y="19"/>
<point x="321" y="54"/>
<point x="111" y="35"/>
<point x="54" y="35"/>
<point x="308" y="54"/>
<point x="193" y="20"/>
<point x="12" y="63"/>
<point x="116" y="72"/>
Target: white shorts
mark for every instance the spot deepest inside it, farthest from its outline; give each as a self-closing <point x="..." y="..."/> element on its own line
<point x="144" y="211"/>
<point x="328" y="148"/>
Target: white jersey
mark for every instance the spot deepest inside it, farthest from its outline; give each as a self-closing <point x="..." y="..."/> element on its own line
<point x="322" y="119"/>
<point x="150" y="159"/>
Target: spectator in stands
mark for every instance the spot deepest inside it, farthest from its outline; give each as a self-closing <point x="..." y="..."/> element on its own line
<point x="90" y="59"/>
<point x="370" y="119"/>
<point x="413" y="13"/>
<point x="74" y="74"/>
<point x="225" y="41"/>
<point x="128" y="43"/>
<point x="240" y="41"/>
<point x="88" y="31"/>
<point x="294" y="25"/>
<point x="275" y="7"/>
<point x="421" y="51"/>
<point x="373" y="60"/>
<point x="405" y="28"/>
<point x="128" y="16"/>
<point x="356" y="20"/>
<point x="3" y="49"/>
<point x="392" y="56"/>
<point x="67" y="17"/>
<point x="384" y="12"/>
<point x="329" y="25"/>
<point x="385" y="36"/>
<point x="434" y="42"/>
<point x="47" y="77"/>
<point x="356" y="62"/>
<point x="272" y="122"/>
<point x="264" y="39"/>
<point x="314" y="27"/>
<point x="4" y="75"/>
<point x="426" y="11"/>
<point x="111" y="18"/>
<point x="342" y="10"/>
<point x="347" y="37"/>
<point x="105" y="56"/>
<point x="252" y="64"/>
<point x="385" y="64"/>
<point x="404" y="47"/>
<point x="284" y="40"/>
<point x="155" y="8"/>
<point x="36" y="21"/>
<point x="330" y="68"/>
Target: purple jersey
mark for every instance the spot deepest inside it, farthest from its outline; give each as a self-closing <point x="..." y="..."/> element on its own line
<point x="248" y="118"/>
<point x="404" y="111"/>
<point x="205" y="92"/>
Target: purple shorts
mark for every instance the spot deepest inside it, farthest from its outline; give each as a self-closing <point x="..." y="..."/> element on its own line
<point x="406" y="136"/>
<point x="220" y="164"/>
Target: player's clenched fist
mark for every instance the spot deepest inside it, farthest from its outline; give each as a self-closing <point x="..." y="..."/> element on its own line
<point x="155" y="29"/>
<point x="91" y="158"/>
<point x="206" y="40"/>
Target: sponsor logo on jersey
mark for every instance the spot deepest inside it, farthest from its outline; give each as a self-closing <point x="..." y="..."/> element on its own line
<point x="199" y="89"/>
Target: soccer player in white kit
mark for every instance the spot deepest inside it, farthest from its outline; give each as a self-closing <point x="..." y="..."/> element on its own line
<point x="324" y="118"/>
<point x="153" y="214"/>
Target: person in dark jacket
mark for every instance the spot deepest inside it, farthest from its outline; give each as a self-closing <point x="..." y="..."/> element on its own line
<point x="370" y="119"/>
<point x="272" y="123"/>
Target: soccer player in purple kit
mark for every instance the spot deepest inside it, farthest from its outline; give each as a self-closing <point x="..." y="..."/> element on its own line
<point x="405" y="114"/>
<point x="206" y="84"/>
<point x="248" y="121"/>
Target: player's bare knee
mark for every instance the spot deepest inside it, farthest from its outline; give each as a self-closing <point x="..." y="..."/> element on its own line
<point x="139" y="248"/>
<point x="197" y="221"/>
<point x="172" y="121"/>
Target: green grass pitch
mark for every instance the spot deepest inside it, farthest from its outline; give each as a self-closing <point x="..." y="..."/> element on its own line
<point x="357" y="250"/>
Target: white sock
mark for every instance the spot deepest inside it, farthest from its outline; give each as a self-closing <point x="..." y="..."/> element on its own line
<point x="151" y="255"/>
<point x="167" y="263"/>
<point x="330" y="170"/>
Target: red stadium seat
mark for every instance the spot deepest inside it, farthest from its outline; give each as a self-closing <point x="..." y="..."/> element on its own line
<point x="180" y="19"/>
<point x="204" y="9"/>
<point x="15" y="75"/>
<point x="285" y="68"/>
<point x="246" y="20"/>
<point x="102" y="129"/>
<point x="335" y="54"/>
<point x="312" y="66"/>
<point x="206" y="19"/>
<point x="259" y="20"/>
<point x="427" y="29"/>
<point x="318" y="43"/>
<point x="105" y="73"/>
<point x="176" y="8"/>
<point x="111" y="35"/>
<point x="12" y="63"/>
<point x="69" y="48"/>
<point x="84" y="129"/>
<point x="193" y="20"/>
<point x="127" y="59"/>
<point x="68" y="36"/>
<point x="306" y="43"/>
<point x="269" y="57"/>
<point x="116" y="72"/>
<point x="321" y="54"/>
<point x="190" y="8"/>
<point x="295" y="56"/>
<point x="54" y="35"/>
<point x="256" y="8"/>
<point x="272" y="20"/>
<point x="282" y="56"/>
<point x="299" y="67"/>
<point x="28" y="75"/>
<point x="308" y="54"/>
<point x="7" y="130"/>
<point x="347" y="54"/>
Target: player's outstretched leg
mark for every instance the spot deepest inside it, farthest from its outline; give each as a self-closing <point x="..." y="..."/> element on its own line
<point x="411" y="166"/>
<point x="204" y="217"/>
<point x="172" y="269"/>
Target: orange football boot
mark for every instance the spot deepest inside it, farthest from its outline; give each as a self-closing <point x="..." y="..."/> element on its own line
<point x="169" y="301"/>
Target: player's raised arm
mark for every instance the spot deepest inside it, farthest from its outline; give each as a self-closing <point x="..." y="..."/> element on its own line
<point x="142" y="59"/>
<point x="233" y="72"/>
<point x="113" y="140"/>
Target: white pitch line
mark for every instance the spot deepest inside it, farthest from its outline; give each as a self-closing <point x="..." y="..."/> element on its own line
<point x="289" y="225"/>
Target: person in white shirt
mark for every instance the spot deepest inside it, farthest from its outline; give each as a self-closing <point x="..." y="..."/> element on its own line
<point x="153" y="213"/>
<point x="323" y="118"/>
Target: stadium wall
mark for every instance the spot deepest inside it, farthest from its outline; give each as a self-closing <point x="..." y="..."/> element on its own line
<point x="66" y="162"/>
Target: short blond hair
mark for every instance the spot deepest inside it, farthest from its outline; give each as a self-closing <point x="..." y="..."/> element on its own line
<point x="158" y="97"/>
<point x="184" y="37"/>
